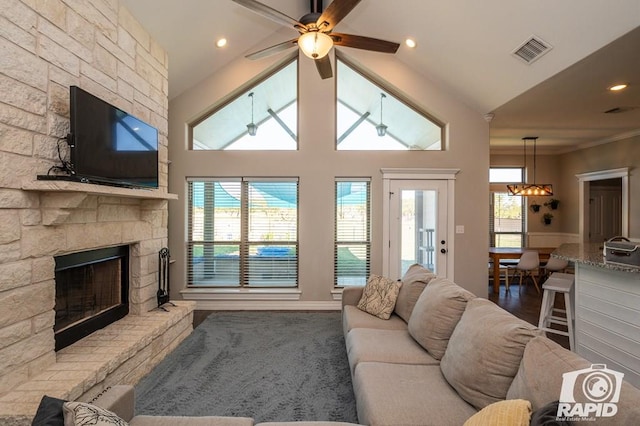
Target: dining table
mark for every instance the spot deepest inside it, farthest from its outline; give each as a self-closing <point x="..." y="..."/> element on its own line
<point x="499" y="253"/>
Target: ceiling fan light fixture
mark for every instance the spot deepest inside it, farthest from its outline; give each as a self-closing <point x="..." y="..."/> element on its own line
<point x="315" y="44"/>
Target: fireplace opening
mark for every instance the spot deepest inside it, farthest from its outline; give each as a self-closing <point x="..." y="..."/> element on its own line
<point x="92" y="290"/>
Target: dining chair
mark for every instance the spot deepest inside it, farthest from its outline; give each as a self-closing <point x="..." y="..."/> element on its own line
<point x="554" y="264"/>
<point x="528" y="263"/>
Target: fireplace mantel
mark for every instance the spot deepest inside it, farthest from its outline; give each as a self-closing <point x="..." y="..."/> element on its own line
<point x="89" y="188"/>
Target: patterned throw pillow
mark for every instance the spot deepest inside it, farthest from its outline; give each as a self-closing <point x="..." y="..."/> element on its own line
<point x="84" y="414"/>
<point x="379" y="296"/>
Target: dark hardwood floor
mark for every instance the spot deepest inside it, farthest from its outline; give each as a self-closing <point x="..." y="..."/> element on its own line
<point x="524" y="303"/>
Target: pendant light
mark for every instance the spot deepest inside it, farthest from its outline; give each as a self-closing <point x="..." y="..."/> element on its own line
<point x="381" y="128"/>
<point x="530" y="189"/>
<point x="252" y="129"/>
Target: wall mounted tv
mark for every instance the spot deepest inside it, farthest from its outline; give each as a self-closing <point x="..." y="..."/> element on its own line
<point x="110" y="146"/>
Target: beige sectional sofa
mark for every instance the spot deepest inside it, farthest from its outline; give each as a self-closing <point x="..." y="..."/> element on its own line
<point x="121" y="400"/>
<point x="445" y="354"/>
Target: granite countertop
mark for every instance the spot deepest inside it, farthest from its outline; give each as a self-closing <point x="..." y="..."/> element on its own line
<point x="589" y="254"/>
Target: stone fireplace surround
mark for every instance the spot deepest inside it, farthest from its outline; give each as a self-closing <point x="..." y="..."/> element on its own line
<point x="76" y="217"/>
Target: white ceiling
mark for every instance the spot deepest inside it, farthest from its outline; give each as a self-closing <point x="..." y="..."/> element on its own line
<point x="464" y="45"/>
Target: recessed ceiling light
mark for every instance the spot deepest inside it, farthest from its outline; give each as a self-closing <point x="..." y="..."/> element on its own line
<point x="618" y="87"/>
<point x="410" y="43"/>
<point x="222" y="42"/>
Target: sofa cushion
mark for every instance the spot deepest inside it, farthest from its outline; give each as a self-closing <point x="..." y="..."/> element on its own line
<point x="379" y="296"/>
<point x="485" y="351"/>
<point x="413" y="282"/>
<point x="191" y="421"/>
<point x="352" y="317"/>
<point x="394" y="346"/>
<point x="512" y="412"/>
<point x="436" y="314"/>
<point x="400" y="394"/>
<point x="539" y="380"/>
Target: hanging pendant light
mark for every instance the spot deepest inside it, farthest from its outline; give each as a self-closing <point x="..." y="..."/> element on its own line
<point x="252" y="129"/>
<point x="381" y="128"/>
<point x="530" y="189"/>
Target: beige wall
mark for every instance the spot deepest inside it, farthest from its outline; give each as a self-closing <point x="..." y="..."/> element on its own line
<point x="561" y="170"/>
<point x="547" y="171"/>
<point x="317" y="163"/>
<point x="623" y="153"/>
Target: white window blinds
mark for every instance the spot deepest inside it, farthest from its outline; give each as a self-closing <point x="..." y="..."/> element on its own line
<point x="352" y="249"/>
<point x="243" y="232"/>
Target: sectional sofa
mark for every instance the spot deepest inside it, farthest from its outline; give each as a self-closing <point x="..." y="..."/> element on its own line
<point x="444" y="354"/>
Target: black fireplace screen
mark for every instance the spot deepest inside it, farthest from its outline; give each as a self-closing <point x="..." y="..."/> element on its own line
<point x="91" y="292"/>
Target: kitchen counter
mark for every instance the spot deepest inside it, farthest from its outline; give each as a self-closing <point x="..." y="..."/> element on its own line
<point x="607" y="309"/>
<point x="589" y="254"/>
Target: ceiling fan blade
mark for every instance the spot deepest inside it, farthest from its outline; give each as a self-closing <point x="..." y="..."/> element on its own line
<point x="276" y="48"/>
<point x="270" y="13"/>
<point x="324" y="67"/>
<point x="335" y="12"/>
<point x="366" y="43"/>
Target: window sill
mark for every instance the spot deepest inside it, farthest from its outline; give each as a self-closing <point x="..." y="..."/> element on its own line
<point x="201" y="293"/>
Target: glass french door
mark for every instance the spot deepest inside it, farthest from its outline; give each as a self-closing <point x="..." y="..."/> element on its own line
<point x="418" y="225"/>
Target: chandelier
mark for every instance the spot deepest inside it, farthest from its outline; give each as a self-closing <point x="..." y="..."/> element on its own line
<point x="530" y="189"/>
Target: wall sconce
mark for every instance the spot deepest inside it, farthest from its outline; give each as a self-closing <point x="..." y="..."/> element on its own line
<point x="252" y="129"/>
<point x="381" y="128"/>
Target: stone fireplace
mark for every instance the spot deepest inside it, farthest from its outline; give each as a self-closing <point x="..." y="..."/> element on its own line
<point x="99" y="46"/>
<point x="92" y="291"/>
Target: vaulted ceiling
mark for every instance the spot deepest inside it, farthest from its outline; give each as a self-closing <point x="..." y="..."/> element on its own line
<point x="466" y="46"/>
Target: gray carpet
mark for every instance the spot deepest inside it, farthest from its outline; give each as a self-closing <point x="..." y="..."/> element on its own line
<point x="272" y="366"/>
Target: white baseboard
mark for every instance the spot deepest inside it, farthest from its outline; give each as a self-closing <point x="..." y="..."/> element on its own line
<point x="268" y="299"/>
<point x="273" y="305"/>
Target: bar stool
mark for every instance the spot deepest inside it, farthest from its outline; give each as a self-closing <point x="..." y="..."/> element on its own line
<point x="558" y="282"/>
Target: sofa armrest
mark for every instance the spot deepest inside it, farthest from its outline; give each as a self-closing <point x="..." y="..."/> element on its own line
<point x="351" y="295"/>
<point x="119" y="399"/>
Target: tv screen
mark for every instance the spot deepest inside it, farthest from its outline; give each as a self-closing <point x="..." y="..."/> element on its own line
<point x="109" y="145"/>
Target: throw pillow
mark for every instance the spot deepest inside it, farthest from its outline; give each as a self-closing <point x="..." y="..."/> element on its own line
<point x="548" y="416"/>
<point x="379" y="296"/>
<point x="484" y="352"/>
<point x="512" y="412"/>
<point x="436" y="315"/>
<point x="84" y="414"/>
<point x="49" y="412"/>
<point x="413" y="283"/>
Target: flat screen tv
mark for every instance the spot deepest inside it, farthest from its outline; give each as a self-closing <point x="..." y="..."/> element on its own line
<point x="110" y="146"/>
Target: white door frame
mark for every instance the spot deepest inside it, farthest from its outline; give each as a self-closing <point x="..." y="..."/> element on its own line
<point x="584" y="178"/>
<point x="389" y="174"/>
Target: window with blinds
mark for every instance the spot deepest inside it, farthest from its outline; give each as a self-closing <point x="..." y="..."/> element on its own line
<point x="352" y="250"/>
<point x="243" y="233"/>
<point x="507" y="212"/>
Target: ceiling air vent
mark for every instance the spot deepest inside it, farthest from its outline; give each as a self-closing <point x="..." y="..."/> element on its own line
<point x="532" y="49"/>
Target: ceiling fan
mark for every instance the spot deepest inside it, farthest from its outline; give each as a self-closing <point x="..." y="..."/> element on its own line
<point x="316" y="32"/>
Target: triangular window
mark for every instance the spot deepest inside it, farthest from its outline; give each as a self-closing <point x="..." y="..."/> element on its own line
<point x="270" y="105"/>
<point x="372" y="117"/>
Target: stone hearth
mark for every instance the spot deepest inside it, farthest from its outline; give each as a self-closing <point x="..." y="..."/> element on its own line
<point x="121" y="353"/>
